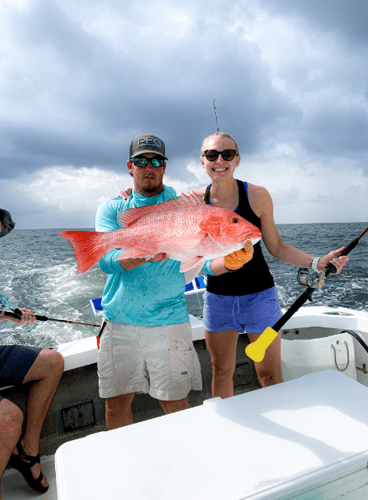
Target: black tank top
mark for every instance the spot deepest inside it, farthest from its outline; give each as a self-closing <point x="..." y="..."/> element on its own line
<point x="254" y="276"/>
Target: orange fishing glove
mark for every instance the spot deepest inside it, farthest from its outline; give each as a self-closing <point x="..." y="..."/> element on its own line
<point x="237" y="259"/>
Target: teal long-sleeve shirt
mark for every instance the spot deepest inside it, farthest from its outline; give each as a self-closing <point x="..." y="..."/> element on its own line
<point x="151" y="294"/>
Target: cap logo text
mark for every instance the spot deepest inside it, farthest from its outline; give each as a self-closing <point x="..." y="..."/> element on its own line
<point x="149" y="141"/>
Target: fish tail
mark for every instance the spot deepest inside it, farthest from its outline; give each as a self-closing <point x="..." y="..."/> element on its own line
<point x="88" y="247"/>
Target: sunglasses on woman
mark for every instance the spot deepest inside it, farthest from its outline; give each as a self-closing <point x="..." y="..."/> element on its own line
<point x="227" y="154"/>
<point x="141" y="161"/>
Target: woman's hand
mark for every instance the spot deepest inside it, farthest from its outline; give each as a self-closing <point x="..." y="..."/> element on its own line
<point x="338" y="262"/>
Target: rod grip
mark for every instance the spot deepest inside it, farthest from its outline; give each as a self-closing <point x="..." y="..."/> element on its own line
<point x="331" y="268"/>
<point x="17" y="313"/>
<point x="257" y="350"/>
<point x="41" y="318"/>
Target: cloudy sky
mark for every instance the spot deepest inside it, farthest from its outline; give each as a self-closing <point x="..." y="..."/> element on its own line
<point x="79" y="79"/>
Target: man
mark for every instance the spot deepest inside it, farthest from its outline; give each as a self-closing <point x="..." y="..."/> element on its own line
<point x="146" y="345"/>
<point x="42" y="367"/>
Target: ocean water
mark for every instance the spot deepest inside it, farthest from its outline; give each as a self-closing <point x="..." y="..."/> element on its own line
<point x="38" y="272"/>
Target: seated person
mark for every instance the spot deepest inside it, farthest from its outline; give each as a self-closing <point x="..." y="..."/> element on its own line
<point x="20" y="364"/>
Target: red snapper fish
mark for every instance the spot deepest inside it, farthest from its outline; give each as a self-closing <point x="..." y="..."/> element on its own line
<point x="185" y="228"/>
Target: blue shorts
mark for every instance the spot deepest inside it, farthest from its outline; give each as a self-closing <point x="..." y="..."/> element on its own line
<point x="15" y="362"/>
<point x="244" y="313"/>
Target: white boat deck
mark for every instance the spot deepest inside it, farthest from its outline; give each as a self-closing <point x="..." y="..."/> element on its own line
<point x="306" y="438"/>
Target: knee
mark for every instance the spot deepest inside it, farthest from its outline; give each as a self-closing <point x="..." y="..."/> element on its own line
<point x="120" y="404"/>
<point x="111" y="405"/>
<point x="223" y="371"/>
<point x="269" y="377"/>
<point x="54" y="362"/>
<point x="58" y="362"/>
<point x="174" y="406"/>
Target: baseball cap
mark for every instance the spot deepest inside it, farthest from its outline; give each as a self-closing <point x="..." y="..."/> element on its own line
<point x="6" y="222"/>
<point x="146" y="143"/>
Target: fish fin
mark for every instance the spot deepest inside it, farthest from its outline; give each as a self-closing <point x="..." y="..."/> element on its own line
<point x="191" y="262"/>
<point x="127" y="217"/>
<point x="131" y="253"/>
<point x="148" y="257"/>
<point x="88" y="247"/>
<point x="193" y="272"/>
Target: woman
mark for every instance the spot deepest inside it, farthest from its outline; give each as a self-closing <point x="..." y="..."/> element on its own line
<point x="245" y="299"/>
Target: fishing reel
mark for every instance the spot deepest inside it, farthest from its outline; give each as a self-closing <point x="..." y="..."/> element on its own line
<point x="4" y="302"/>
<point x="311" y="279"/>
<point x="6" y="310"/>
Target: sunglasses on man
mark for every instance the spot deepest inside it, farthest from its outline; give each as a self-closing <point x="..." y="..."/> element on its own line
<point x="227" y="154"/>
<point x="141" y="161"/>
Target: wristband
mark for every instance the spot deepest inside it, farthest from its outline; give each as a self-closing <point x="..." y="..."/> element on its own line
<point x="314" y="263"/>
<point x="230" y="270"/>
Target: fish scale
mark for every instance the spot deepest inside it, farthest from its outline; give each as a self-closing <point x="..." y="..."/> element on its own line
<point x="184" y="228"/>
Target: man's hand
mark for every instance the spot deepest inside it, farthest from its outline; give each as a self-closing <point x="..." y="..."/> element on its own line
<point x="129" y="264"/>
<point x="338" y="262"/>
<point x="125" y="194"/>
<point x="237" y="259"/>
<point x="27" y="317"/>
<point x="160" y="257"/>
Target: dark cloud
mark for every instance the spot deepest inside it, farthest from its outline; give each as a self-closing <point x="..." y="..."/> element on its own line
<point x="93" y="95"/>
<point x="336" y="130"/>
<point x="347" y="18"/>
<point x="79" y="79"/>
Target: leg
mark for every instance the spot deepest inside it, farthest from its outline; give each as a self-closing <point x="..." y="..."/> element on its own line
<point x="222" y="348"/>
<point x="119" y="411"/>
<point x="172" y="364"/>
<point x="174" y="406"/>
<point x="11" y="419"/>
<point x="269" y="369"/>
<point x="45" y="373"/>
<point x="121" y="372"/>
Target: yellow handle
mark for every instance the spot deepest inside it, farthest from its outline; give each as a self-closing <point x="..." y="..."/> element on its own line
<point x="257" y="350"/>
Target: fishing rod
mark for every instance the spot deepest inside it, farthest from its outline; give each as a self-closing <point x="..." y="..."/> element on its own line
<point x="256" y="351"/>
<point x="17" y="313"/>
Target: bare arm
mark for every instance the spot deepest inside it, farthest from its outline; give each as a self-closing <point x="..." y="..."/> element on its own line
<point x="262" y="205"/>
<point x="281" y="250"/>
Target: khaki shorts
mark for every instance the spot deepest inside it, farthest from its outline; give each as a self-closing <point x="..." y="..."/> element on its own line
<point x="158" y="360"/>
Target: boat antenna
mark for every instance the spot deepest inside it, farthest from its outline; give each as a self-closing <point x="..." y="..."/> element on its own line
<point x="214" y="108"/>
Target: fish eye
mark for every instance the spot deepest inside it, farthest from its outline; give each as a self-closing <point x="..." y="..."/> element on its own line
<point x="235" y="220"/>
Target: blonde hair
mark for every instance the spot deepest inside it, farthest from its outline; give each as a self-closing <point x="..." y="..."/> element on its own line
<point x="221" y="134"/>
